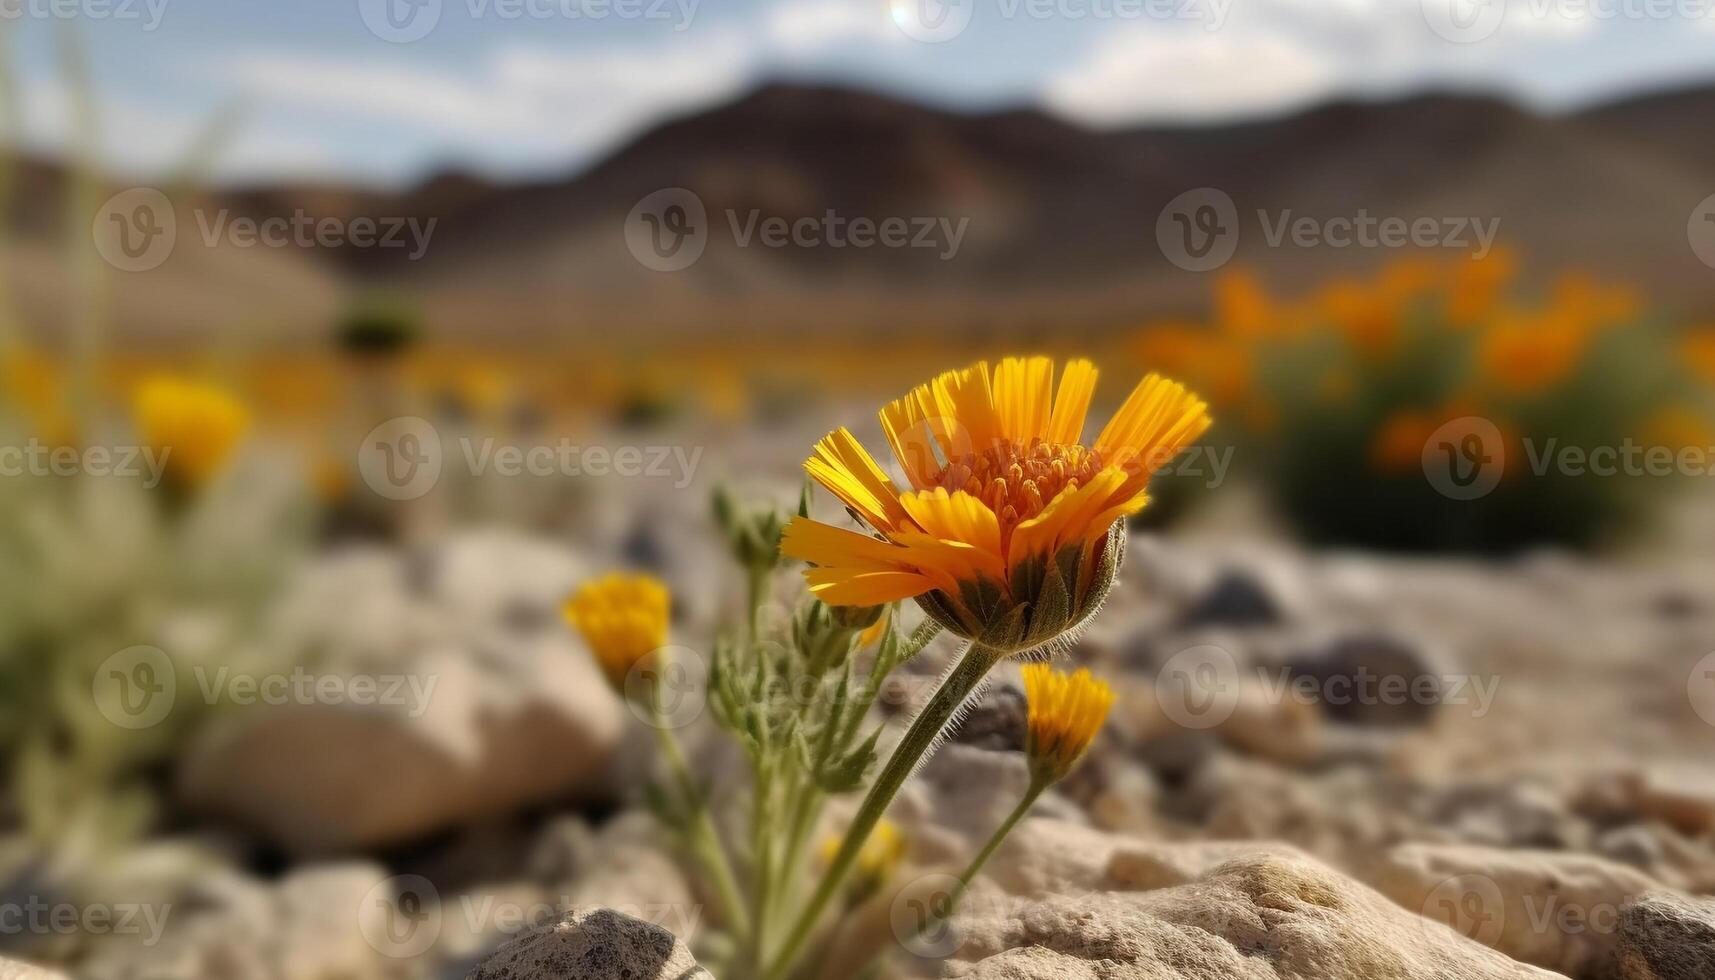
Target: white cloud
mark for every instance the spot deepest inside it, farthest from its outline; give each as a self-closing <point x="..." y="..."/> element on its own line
<point x="799" y="27"/>
<point x="1148" y="73"/>
<point x="521" y="103"/>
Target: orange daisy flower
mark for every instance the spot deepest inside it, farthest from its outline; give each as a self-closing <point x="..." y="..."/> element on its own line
<point x="1012" y="529"/>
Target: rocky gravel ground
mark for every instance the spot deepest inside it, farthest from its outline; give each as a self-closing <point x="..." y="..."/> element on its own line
<point x="1321" y="767"/>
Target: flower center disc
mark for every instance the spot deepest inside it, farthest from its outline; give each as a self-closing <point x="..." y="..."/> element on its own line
<point x="1017" y="482"/>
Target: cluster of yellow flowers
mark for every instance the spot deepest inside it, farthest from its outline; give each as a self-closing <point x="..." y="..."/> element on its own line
<point x="1010" y="536"/>
<point x="1341" y="389"/>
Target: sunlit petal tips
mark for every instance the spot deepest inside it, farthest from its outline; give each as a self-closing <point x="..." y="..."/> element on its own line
<point x="1066" y="711"/>
<point x="1007" y="529"/>
<point x="623" y="618"/>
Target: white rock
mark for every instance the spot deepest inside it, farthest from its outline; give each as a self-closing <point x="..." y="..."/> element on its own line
<point x="1263" y="917"/>
<point x="1554" y="909"/>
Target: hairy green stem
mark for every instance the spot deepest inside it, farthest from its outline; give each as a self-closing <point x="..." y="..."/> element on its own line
<point x="706" y="843"/>
<point x="1037" y="787"/>
<point x="919" y="738"/>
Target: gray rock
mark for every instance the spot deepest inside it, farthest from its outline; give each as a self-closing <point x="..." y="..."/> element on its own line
<point x="1236" y="599"/>
<point x="592" y="944"/>
<point x="1375" y="680"/>
<point x="1665" y="936"/>
<point x="1635" y="845"/>
<point x="1510" y="814"/>
<point x="997" y="722"/>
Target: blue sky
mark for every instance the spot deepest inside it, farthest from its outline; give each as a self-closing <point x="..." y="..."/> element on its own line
<point x="333" y="88"/>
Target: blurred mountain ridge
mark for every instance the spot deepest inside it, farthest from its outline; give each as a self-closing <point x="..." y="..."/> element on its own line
<point x="1058" y="221"/>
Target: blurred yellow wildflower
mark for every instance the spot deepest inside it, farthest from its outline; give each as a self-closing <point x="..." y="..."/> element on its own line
<point x="880" y="856"/>
<point x="1013" y="530"/>
<point x="1477" y="285"/>
<point x="1065" y="713"/>
<point x="34" y="384"/>
<point x="623" y="618"/>
<point x="1367" y="317"/>
<point x="1698" y="349"/>
<point x="1679" y="427"/>
<point x="1242" y="306"/>
<point x="196" y="425"/>
<point x="1526" y="354"/>
<point x="1398" y="443"/>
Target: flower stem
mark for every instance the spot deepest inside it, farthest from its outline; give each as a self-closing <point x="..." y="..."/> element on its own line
<point x="919" y="738"/>
<point x="705" y="842"/>
<point x="1037" y="787"/>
